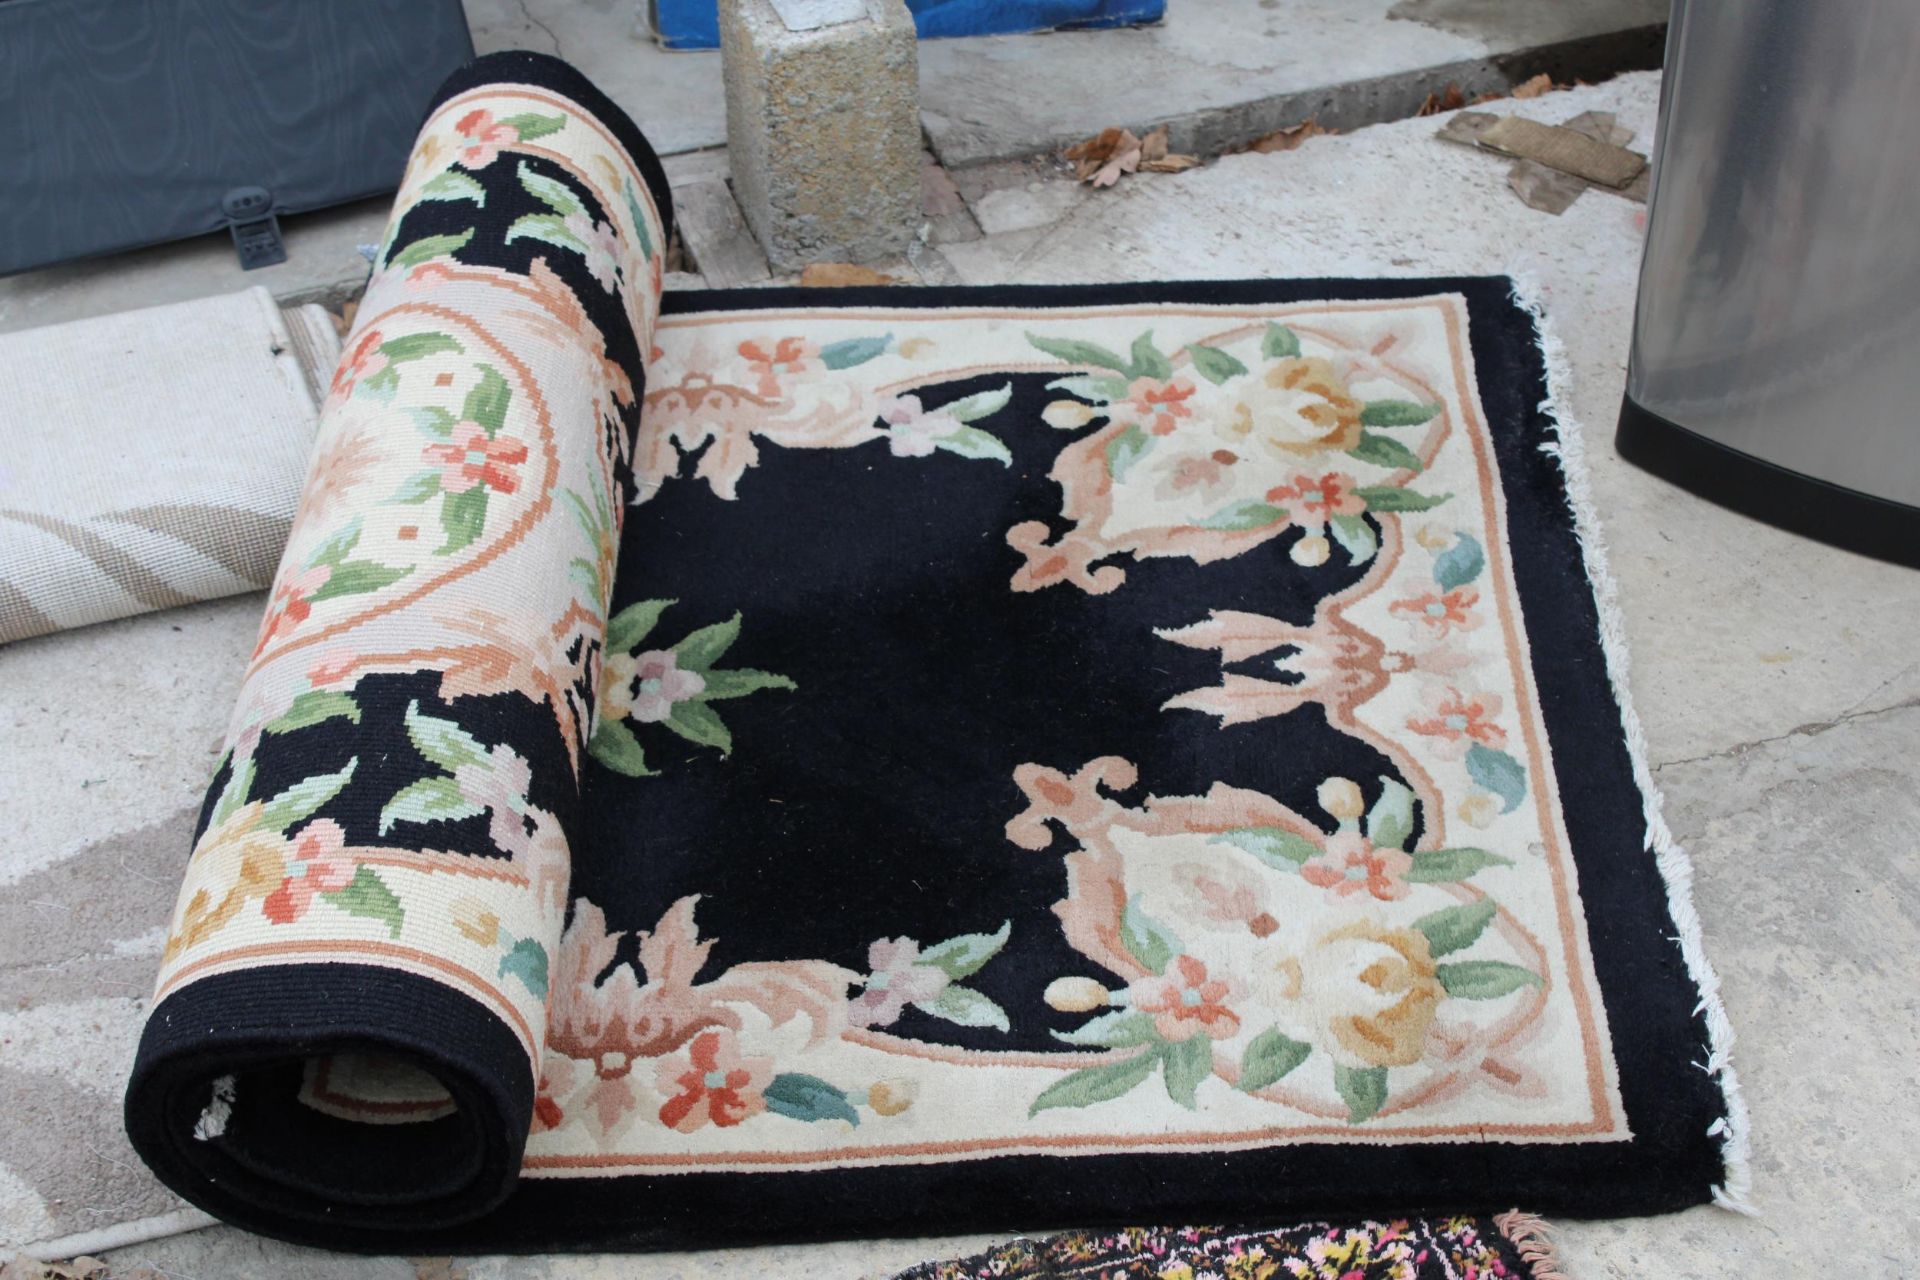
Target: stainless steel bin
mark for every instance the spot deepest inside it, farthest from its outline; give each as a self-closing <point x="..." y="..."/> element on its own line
<point x="1776" y="347"/>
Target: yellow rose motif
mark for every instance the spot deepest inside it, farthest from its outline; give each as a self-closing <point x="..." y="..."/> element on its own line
<point x="1296" y="406"/>
<point x="259" y="861"/>
<point x="1372" y="991"/>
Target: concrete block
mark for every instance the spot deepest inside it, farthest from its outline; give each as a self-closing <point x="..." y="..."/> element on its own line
<point x="823" y="126"/>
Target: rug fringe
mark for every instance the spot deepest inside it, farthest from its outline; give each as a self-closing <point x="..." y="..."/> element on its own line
<point x="1528" y="1233"/>
<point x="1569" y="450"/>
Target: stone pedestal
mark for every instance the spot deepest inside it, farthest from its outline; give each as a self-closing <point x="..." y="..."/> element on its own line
<point x="823" y="126"/>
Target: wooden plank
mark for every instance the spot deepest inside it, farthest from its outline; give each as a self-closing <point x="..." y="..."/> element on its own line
<point x="716" y="235"/>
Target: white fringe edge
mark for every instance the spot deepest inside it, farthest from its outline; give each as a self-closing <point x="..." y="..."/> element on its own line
<point x="1569" y="450"/>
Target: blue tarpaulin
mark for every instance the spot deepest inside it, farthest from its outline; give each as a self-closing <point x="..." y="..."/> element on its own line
<point x="694" y="24"/>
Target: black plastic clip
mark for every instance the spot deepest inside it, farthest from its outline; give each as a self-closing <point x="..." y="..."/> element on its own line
<point x="256" y="231"/>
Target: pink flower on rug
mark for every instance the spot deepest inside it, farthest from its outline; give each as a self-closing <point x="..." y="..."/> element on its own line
<point x="292" y="603"/>
<point x="1202" y="474"/>
<point x="1458" y="721"/>
<point x="1159" y="406"/>
<point x="896" y="981"/>
<point x="646" y="686"/>
<point x="363" y="361"/>
<point x="715" y="1084"/>
<point x="912" y="431"/>
<point x="318" y="866"/>
<point x="1316" y="501"/>
<point x="601" y="244"/>
<point x="472" y="457"/>
<point x="1349" y="863"/>
<point x="1441" y="614"/>
<point x="789" y="358"/>
<point x="486" y="138"/>
<point x="1186" y="1002"/>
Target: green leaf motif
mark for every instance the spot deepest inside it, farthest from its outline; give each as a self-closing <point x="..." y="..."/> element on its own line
<point x="1459" y="564"/>
<point x="234" y="795"/>
<point x="1091" y="387"/>
<point x="463" y="516"/>
<point x="1363" y="1089"/>
<point x="1250" y="513"/>
<point x="368" y="896"/>
<point x="1081" y="353"/>
<point x="1385" y="451"/>
<point x="304" y="798"/>
<point x="803" y="1097"/>
<point x="530" y="125"/>
<point x="740" y="683"/>
<point x="1215" y="365"/>
<point x="1126" y="449"/>
<point x="639" y="216"/>
<point x="1121" y="1029"/>
<point x="427" y="248"/>
<point x="428" y="800"/>
<point x="1147" y="360"/>
<point x="1270" y="1056"/>
<point x="1387" y="497"/>
<point x="550" y="191"/>
<point x="338" y="545"/>
<point x="1453" y="928"/>
<point x="1396" y="413"/>
<point x="418" y="487"/>
<point x="701" y="725"/>
<point x="451" y="184"/>
<point x="1499" y="773"/>
<point x="1103" y="1083"/>
<point x="1184" y="1065"/>
<point x="1390" y="821"/>
<point x="527" y="961"/>
<point x="1276" y="846"/>
<point x="547" y="228"/>
<point x="442" y="741"/>
<point x="1435" y="866"/>
<point x="1280" y="342"/>
<point x="967" y="1008"/>
<point x="705" y="647"/>
<point x="432" y="420"/>
<point x="972" y="442"/>
<point x="614" y="746"/>
<point x="1146" y="939"/>
<point x="962" y="956"/>
<point x="1484" y="979"/>
<point x="635" y="623"/>
<point x="314" y="707"/>
<point x="487" y="403"/>
<point x="981" y="404"/>
<point x="849" y="352"/>
<point x="412" y="346"/>
<point x="1356" y="535"/>
<point x="358" y="577"/>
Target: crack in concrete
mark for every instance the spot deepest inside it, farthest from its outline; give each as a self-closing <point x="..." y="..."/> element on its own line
<point x="527" y="12"/>
<point x="1808" y="730"/>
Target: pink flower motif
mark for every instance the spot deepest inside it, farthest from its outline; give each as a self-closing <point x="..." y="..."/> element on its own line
<point x="363" y="361"/>
<point x="486" y="138"/>
<point x="1349" y="863"/>
<point x="790" y="357"/>
<point x="499" y="785"/>
<point x="1459" y="720"/>
<point x="291" y="604"/>
<point x="1158" y="406"/>
<point x="897" y="980"/>
<point x="318" y="866"/>
<point x="715" y="1084"/>
<point x="602" y="245"/>
<point x="1185" y="1002"/>
<point x="1317" y="501"/>
<point x="913" y="432"/>
<point x="472" y="457"/>
<point x="645" y="686"/>
<point x="1201" y="474"/>
<point x="1441" y="614"/>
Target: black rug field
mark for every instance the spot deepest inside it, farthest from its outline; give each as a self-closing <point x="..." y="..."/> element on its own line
<point x="782" y="764"/>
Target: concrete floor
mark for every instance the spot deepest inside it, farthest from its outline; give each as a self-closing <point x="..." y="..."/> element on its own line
<point x="1779" y="682"/>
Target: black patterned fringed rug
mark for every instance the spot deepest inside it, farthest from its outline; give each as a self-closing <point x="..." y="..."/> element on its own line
<point x="795" y="763"/>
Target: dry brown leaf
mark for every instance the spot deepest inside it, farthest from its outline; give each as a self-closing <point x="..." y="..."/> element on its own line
<point x="1102" y="158"/>
<point x="834" y="275"/>
<point x="1287" y="139"/>
<point x="1542" y="83"/>
<point x="437" y="1269"/>
<point x="1155" y="158"/>
<point x="1449" y="99"/>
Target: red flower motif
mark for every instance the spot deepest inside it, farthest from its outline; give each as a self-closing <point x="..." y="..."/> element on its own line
<point x="486" y="137"/>
<point x="1442" y="614"/>
<point x="319" y="866"/>
<point x="716" y="1084"/>
<point x="1350" y="863"/>
<point x="291" y="604"/>
<point x="1459" y="721"/>
<point x="1317" y="501"/>
<point x="365" y="360"/>
<point x="1185" y="1002"/>
<point x="789" y="356"/>
<point x="1159" y="406"/>
<point x="472" y="457"/>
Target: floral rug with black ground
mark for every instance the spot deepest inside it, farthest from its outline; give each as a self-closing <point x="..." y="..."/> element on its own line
<point x="782" y="764"/>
